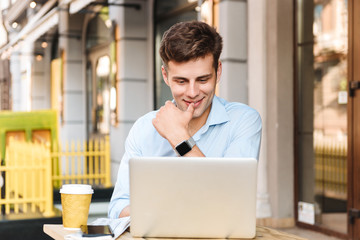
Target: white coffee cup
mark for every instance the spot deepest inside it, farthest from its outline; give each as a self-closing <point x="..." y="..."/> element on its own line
<point x="75" y="201"/>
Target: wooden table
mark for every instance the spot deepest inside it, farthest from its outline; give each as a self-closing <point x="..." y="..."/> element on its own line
<point x="56" y="231"/>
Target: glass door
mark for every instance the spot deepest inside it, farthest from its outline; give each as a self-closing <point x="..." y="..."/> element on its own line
<point x="322" y="114"/>
<point x="101" y="84"/>
<point x="102" y="98"/>
<point x="98" y="94"/>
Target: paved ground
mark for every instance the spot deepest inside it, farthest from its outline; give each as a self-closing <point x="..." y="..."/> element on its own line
<point x="99" y="209"/>
<point x="308" y="234"/>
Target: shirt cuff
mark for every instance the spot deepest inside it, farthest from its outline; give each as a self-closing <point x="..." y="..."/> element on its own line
<point x="115" y="211"/>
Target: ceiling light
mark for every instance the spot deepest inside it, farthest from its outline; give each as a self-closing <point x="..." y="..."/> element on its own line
<point x="33" y="4"/>
<point x="39" y="57"/>
<point x="108" y="23"/>
<point x="14" y="25"/>
<point x="44" y="44"/>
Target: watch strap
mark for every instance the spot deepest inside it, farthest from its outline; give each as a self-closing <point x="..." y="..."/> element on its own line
<point x="185" y="146"/>
<point x="191" y="142"/>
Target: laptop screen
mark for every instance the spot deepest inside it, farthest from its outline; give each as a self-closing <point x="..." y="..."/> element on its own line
<point x="193" y="197"/>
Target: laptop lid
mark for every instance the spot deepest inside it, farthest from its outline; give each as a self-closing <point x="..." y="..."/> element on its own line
<point x="193" y="197"/>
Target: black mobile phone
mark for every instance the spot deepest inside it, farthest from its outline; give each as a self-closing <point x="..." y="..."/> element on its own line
<point x="96" y="230"/>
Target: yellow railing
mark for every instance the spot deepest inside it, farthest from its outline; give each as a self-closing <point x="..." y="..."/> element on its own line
<point x="27" y="171"/>
<point x="86" y="163"/>
<point x="331" y="167"/>
<point x="32" y="172"/>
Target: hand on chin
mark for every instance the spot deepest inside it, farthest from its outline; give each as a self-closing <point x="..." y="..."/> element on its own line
<point x="172" y="123"/>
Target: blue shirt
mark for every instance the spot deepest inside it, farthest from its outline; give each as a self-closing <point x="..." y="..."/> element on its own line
<point x="231" y="130"/>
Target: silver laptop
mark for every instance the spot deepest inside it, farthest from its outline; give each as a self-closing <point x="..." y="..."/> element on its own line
<point x="193" y="197"/>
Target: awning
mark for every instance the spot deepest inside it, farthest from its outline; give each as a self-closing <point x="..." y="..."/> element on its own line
<point x="77" y="5"/>
<point x="15" y="10"/>
<point x="45" y="24"/>
<point x="35" y="26"/>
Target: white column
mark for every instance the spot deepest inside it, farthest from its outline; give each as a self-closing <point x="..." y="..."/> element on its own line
<point x="40" y="83"/>
<point x="16" y="87"/>
<point x="134" y="77"/>
<point x="233" y="85"/>
<point x="73" y="126"/>
<point x="23" y="76"/>
<point x="257" y="93"/>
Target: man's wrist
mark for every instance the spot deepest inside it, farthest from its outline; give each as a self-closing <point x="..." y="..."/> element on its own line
<point x="178" y="138"/>
<point x="185" y="146"/>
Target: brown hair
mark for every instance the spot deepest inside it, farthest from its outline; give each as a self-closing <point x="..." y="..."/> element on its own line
<point x="186" y="41"/>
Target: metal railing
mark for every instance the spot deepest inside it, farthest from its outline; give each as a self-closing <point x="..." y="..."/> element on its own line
<point x="82" y="163"/>
<point x="27" y="183"/>
<point x="331" y="167"/>
<point x="31" y="172"/>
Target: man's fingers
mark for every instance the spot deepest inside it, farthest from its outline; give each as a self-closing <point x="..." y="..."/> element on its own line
<point x="169" y="103"/>
<point x="190" y="108"/>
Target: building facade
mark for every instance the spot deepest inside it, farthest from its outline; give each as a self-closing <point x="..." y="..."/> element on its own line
<point x="97" y="63"/>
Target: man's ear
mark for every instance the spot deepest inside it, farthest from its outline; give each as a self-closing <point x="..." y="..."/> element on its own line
<point x="219" y="71"/>
<point x="164" y="74"/>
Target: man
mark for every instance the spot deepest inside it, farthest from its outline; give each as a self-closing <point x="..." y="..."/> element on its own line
<point x="196" y="123"/>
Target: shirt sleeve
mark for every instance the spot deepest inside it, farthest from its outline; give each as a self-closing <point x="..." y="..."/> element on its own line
<point x="120" y="196"/>
<point x="246" y="137"/>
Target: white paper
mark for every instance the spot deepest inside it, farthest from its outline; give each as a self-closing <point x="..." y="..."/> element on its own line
<point x="342" y="97"/>
<point x="306" y="212"/>
<point x="118" y="226"/>
<point x="78" y="236"/>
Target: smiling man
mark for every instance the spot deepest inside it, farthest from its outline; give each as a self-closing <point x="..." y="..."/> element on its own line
<point x="196" y="123"/>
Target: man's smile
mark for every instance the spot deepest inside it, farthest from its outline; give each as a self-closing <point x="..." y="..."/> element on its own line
<point x="196" y="103"/>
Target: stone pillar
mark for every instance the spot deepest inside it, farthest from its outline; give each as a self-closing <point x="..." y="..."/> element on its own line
<point x="258" y="94"/>
<point x="41" y="81"/>
<point x="233" y="28"/>
<point x="20" y="68"/>
<point x="73" y="125"/>
<point x="16" y="86"/>
<point x="134" y="71"/>
<point x="280" y="110"/>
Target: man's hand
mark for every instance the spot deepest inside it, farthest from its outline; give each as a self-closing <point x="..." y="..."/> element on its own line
<point x="172" y="123"/>
<point x="125" y="212"/>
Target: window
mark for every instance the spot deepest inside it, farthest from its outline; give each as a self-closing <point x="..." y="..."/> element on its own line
<point x="322" y="111"/>
<point x="167" y="13"/>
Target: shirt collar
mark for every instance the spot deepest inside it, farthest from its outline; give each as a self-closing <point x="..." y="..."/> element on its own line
<point x="218" y="113"/>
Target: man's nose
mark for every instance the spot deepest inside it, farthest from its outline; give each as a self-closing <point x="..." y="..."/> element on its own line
<point x="193" y="90"/>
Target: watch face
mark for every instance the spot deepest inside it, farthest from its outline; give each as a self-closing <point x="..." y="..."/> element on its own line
<point x="183" y="148"/>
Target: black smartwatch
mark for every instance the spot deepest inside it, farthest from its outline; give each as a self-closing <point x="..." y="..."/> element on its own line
<point x="185" y="146"/>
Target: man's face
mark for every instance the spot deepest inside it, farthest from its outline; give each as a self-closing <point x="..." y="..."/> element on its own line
<point x="193" y="82"/>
